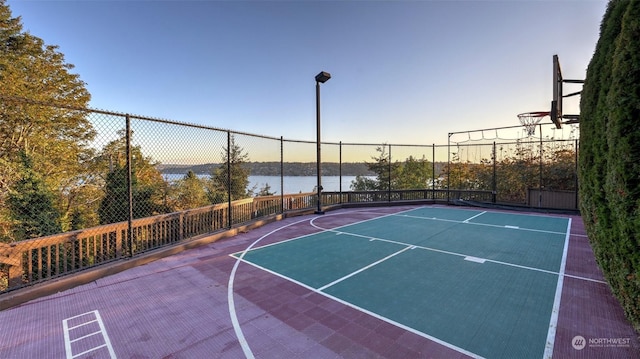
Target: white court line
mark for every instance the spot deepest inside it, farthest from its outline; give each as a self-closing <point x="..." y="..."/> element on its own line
<point x="230" y="299"/>
<point x="364" y="268"/>
<point x="232" y="305"/>
<point x="103" y="331"/>
<point x="414" y="246"/>
<point x="373" y="314"/>
<point x="585" y="278"/>
<point x="409" y="247"/>
<point x="485" y="224"/>
<point x="320" y="228"/>
<point x="553" y="322"/>
<point x="477" y="215"/>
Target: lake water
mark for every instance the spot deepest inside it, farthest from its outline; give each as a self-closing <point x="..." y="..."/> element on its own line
<point x="292" y="184"/>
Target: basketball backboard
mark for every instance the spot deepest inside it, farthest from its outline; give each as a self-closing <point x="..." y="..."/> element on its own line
<point x="558" y="117"/>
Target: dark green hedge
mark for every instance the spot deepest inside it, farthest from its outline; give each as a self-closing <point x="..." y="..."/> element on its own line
<point x="609" y="161"/>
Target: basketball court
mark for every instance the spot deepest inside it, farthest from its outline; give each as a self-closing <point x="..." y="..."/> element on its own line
<point x="434" y="270"/>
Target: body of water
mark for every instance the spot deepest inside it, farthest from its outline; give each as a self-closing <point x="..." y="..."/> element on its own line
<point x="292" y="184"/>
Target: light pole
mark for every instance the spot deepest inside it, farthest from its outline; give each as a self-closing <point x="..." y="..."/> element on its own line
<point x="322" y="77"/>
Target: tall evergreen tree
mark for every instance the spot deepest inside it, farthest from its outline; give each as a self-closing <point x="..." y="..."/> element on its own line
<point x="385" y="172"/>
<point x="114" y="207"/>
<point x="189" y="192"/>
<point x="31" y="205"/>
<point x="148" y="186"/>
<point x="230" y="180"/>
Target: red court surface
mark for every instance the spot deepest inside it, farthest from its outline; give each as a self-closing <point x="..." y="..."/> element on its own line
<point x="195" y="305"/>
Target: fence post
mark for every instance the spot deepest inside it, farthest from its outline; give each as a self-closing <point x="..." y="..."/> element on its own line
<point x="541" y="154"/>
<point x="281" y="174"/>
<point x="12" y="259"/>
<point x="340" y="169"/>
<point x="449" y="167"/>
<point x="433" y="172"/>
<point x="494" y="185"/>
<point x="129" y="187"/>
<point x="229" y="215"/>
<point x="389" y="184"/>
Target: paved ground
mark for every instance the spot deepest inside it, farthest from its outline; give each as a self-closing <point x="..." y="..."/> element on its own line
<point x="184" y="306"/>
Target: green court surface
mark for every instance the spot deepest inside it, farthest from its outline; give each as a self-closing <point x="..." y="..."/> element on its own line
<point x="482" y="283"/>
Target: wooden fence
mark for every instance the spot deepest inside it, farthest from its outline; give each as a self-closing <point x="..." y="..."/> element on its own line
<point x="36" y="260"/>
<point x="31" y="261"/>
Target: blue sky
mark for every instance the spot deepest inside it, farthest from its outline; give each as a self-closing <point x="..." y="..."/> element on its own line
<point x="402" y="72"/>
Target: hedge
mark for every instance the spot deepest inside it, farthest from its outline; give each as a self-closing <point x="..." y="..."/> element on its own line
<point x="609" y="159"/>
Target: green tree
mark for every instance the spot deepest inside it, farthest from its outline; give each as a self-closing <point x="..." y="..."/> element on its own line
<point x="148" y="185"/>
<point x="609" y="153"/>
<point x="384" y="170"/>
<point x="56" y="138"/>
<point x="115" y="205"/>
<point x="31" y="205"/>
<point x="189" y="192"/>
<point x="265" y="191"/>
<point x="232" y="177"/>
<point x="413" y="174"/>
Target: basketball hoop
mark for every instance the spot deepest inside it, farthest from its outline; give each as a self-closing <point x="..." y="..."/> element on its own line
<point x="531" y="119"/>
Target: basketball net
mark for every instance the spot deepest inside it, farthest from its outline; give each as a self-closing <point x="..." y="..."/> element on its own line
<point x="531" y="119"/>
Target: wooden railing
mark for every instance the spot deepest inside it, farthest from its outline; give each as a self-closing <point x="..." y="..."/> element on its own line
<point x="435" y="195"/>
<point x="36" y="260"/>
<point x="39" y="259"/>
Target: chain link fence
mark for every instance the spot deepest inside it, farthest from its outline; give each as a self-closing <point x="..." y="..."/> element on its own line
<point x="81" y="187"/>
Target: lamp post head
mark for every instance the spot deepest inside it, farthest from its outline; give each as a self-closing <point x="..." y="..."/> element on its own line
<point x="322" y="77"/>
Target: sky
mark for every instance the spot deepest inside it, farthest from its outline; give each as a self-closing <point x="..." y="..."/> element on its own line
<point x="406" y="72"/>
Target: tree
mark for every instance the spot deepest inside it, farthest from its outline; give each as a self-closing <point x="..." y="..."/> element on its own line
<point x="414" y="174"/>
<point x="31" y="205"/>
<point x="115" y="205"/>
<point x="147" y="185"/>
<point x="383" y="169"/>
<point x="265" y="191"/>
<point x="56" y="138"/>
<point x="609" y="153"/>
<point x="232" y="177"/>
<point x="189" y="192"/>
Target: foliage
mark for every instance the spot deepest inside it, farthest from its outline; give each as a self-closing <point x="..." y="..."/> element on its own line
<point x="188" y="192"/>
<point x="609" y="164"/>
<point x="265" y="191"/>
<point x="54" y="138"/>
<point x="31" y="205"/>
<point x="413" y="174"/>
<point x="232" y="177"/>
<point x="148" y="188"/>
<point x="384" y="169"/>
<point x="517" y="169"/>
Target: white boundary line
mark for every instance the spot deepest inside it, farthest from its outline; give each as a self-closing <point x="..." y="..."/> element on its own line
<point x="364" y="268"/>
<point x="320" y="228"/>
<point x="456" y="253"/>
<point x="488" y="225"/>
<point x="232" y="306"/>
<point x="249" y="354"/>
<point x="68" y="341"/>
<point x="477" y="215"/>
<point x="553" y="322"/>
<point x="373" y="314"/>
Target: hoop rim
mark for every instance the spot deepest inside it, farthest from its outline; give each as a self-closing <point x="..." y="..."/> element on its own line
<point x="534" y="114"/>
